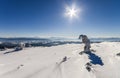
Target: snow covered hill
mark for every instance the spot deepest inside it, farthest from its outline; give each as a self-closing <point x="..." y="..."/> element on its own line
<point x="63" y="61"/>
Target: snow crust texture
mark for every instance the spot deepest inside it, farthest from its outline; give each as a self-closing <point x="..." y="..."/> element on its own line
<point x="63" y="61"/>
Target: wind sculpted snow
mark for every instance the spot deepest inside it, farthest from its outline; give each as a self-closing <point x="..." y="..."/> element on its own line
<point x="62" y="61"/>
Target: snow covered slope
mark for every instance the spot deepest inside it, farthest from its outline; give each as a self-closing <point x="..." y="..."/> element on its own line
<point x="50" y="62"/>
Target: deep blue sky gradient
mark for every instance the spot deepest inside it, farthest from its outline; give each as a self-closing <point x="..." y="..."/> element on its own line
<point x="36" y="18"/>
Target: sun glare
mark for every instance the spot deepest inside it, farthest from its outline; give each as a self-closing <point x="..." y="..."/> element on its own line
<point x="72" y="12"/>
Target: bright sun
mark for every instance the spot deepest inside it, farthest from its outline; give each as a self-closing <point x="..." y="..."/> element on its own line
<point x="72" y="12"/>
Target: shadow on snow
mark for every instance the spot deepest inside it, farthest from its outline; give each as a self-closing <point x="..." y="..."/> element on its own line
<point x="94" y="58"/>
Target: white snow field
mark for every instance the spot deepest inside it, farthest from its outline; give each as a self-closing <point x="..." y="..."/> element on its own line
<point x="47" y="62"/>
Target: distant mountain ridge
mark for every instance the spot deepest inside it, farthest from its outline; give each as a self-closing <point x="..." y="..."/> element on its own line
<point x="58" y="39"/>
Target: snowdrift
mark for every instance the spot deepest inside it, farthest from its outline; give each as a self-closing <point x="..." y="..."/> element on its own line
<point x="63" y="61"/>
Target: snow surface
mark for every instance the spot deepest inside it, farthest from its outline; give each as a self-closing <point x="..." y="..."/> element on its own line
<point x="46" y="62"/>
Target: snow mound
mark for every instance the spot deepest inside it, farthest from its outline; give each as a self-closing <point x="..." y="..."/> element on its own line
<point x="63" y="61"/>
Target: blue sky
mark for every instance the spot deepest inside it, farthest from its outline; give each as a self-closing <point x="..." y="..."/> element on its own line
<point x="45" y="18"/>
